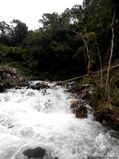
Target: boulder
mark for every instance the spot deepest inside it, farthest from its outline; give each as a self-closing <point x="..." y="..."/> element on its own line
<point x="81" y="112"/>
<point x="114" y="134"/>
<point x="7" y="71"/>
<point x="37" y="152"/>
<point x="40" y="85"/>
<point x="2" y="88"/>
<point x="78" y="107"/>
<point x="9" y="79"/>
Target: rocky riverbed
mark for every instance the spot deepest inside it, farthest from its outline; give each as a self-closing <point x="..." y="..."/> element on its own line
<point x="103" y="111"/>
<point x="42" y="123"/>
<point x="79" y="102"/>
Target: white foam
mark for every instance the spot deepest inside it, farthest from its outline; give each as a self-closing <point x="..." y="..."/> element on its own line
<point x="31" y="118"/>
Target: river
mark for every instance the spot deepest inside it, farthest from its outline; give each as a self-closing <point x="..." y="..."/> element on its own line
<point x="31" y="118"/>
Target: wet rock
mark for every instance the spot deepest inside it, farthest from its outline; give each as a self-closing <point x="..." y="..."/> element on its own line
<point x="40" y="85"/>
<point x="84" y="94"/>
<point x="2" y="88"/>
<point x="37" y="152"/>
<point x="81" y="112"/>
<point x="115" y="125"/>
<point x="78" y="107"/>
<point x="9" y="79"/>
<point x="83" y="91"/>
<point x="107" y="115"/>
<point x="18" y="87"/>
<point x="15" y="82"/>
<point x="76" y="103"/>
<point x="114" y="134"/>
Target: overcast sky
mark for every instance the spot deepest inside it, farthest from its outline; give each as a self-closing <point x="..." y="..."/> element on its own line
<point x="30" y="11"/>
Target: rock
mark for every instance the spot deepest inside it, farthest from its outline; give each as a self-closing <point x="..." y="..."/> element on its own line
<point x="114" y="134"/>
<point x="2" y="88"/>
<point x="37" y="152"/>
<point x="107" y="116"/>
<point x="83" y="91"/>
<point x="21" y="81"/>
<point x="9" y="79"/>
<point x="8" y="70"/>
<point x="76" y="103"/>
<point x="18" y="87"/>
<point x="78" y="107"/>
<point x="84" y="94"/>
<point x="81" y="112"/>
<point x="40" y="85"/>
<point x="72" y="101"/>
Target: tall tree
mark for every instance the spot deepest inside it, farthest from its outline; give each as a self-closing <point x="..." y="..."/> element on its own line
<point x="20" y="33"/>
<point x="5" y="33"/>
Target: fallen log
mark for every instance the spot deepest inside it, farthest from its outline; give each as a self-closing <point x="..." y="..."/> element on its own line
<point x="79" y="77"/>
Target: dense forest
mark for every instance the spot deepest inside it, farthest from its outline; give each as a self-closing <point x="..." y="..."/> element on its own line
<point x="75" y="42"/>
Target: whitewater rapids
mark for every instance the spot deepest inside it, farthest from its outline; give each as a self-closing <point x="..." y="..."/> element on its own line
<point x="32" y="118"/>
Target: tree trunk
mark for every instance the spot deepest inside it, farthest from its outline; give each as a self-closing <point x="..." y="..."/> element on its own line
<point x="101" y="71"/>
<point x="79" y="77"/>
<point x="110" y="59"/>
<point x="100" y="61"/>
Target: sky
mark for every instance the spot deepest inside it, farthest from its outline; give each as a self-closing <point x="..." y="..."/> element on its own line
<point x="30" y="11"/>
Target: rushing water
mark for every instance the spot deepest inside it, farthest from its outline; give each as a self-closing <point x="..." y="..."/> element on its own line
<point x="31" y="118"/>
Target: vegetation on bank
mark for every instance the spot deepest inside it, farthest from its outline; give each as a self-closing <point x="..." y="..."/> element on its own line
<point x="81" y="40"/>
<point x="105" y="109"/>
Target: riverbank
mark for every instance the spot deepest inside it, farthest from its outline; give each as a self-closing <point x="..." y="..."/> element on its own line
<point x="91" y="88"/>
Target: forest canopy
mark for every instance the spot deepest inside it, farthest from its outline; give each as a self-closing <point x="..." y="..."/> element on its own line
<point x="67" y="44"/>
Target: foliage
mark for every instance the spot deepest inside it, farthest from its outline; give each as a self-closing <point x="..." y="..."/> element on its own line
<point x="57" y="48"/>
<point x="16" y="54"/>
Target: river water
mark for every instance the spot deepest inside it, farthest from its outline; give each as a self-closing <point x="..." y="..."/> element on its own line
<point x="32" y="118"/>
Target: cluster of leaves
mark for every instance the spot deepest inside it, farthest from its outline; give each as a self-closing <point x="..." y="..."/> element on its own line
<point x="58" y="48"/>
<point x="10" y="53"/>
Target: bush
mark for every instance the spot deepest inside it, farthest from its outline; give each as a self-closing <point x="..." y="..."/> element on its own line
<point x="14" y="54"/>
